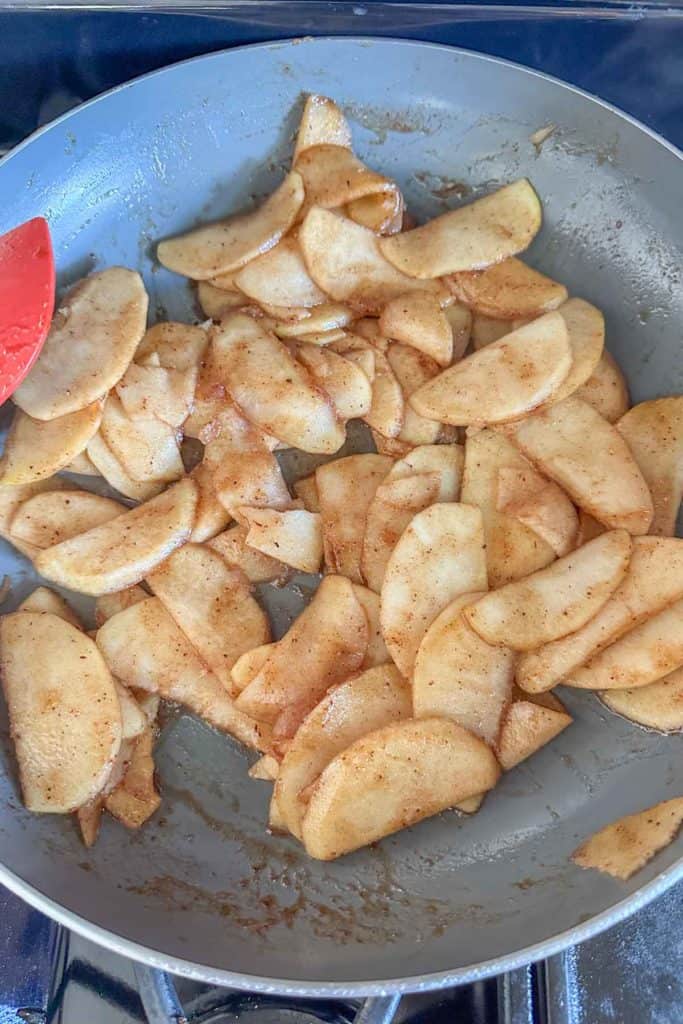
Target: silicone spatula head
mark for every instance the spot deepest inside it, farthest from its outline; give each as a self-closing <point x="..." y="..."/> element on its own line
<point x="27" y="298"/>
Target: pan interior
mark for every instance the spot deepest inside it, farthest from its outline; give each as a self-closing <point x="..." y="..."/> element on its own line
<point x="203" y="881"/>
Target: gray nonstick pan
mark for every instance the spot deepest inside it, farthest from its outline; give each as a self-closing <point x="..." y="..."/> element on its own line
<point x="203" y="889"/>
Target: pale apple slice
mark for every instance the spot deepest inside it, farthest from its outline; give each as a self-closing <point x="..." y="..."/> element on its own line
<point x="306" y="491"/>
<point x="345" y="384"/>
<point x="211" y="516"/>
<point x="147" y="449"/>
<point x="36" y="449"/>
<point x="321" y="122"/>
<point x="487" y="231"/>
<point x="508" y="290"/>
<point x="654" y="433"/>
<point x="573" y="445"/>
<point x="345" y="261"/>
<point x="324" y="324"/>
<point x="554" y="601"/>
<point x="345" y="489"/>
<point x="265" y="769"/>
<point x="540" y="504"/>
<point x="586" y="328"/>
<point x="213" y="606"/>
<point x="417" y="319"/>
<point x="503" y="381"/>
<point x="377" y="653"/>
<point x="145" y="649"/>
<point x="121" y="552"/>
<point x="439" y="556"/>
<point x="135" y="799"/>
<point x="657" y="706"/>
<point x="133" y="718"/>
<point x="460" y="322"/>
<point x="377" y="697"/>
<point x="111" y="604"/>
<point x="333" y="176"/>
<point x="412" y="370"/>
<point x="388" y="409"/>
<point x="459" y="676"/>
<point x="382" y="212"/>
<point x="526" y="727"/>
<point x="63" y="707"/>
<point x="228" y="244"/>
<point x="232" y="546"/>
<point x="42" y="599"/>
<point x="392" y="778"/>
<point x="11" y="499"/>
<point x="217" y="303"/>
<point x="271" y="388"/>
<point x="391" y="510"/>
<point x="606" y="389"/>
<point x="294" y="536"/>
<point x="177" y="346"/>
<point x="157" y="392"/>
<point x="280" y="278"/>
<point x="642" y="656"/>
<point x="113" y="472"/>
<point x="654" y="579"/>
<point x="513" y="550"/>
<point x="625" y="846"/>
<point x="324" y="645"/>
<point x="447" y="460"/>
<point x="54" y="516"/>
<point x="94" y="334"/>
<point x="248" y="665"/>
<point x="244" y="470"/>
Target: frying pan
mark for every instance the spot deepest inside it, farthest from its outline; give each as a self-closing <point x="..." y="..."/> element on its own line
<point x="202" y="889"/>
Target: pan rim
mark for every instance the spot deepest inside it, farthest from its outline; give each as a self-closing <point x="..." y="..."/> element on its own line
<point x="418" y="983"/>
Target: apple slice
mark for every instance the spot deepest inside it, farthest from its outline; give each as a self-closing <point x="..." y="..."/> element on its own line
<point x="326" y="643"/>
<point x="94" y="335"/>
<point x="573" y="445"/>
<point x="654" y="579"/>
<point x="459" y="676"/>
<point x="117" y="554"/>
<point x="642" y="656"/>
<point x="417" y="319"/>
<point x="356" y="707"/>
<point x="63" y="707"/>
<point x="345" y="489"/>
<point x="213" y="606"/>
<point x="345" y="261"/>
<point x="503" y="381"/>
<point x="392" y="778"/>
<point x="228" y="244"/>
<point x="654" y="433"/>
<point x="657" y="706"/>
<point x="145" y="649"/>
<point x="440" y="555"/>
<point x="606" y="389"/>
<point x="321" y="122"/>
<point x="554" y="601"/>
<point x="472" y="237"/>
<point x="36" y="449"/>
<point x="513" y="549"/>
<point x="508" y="290"/>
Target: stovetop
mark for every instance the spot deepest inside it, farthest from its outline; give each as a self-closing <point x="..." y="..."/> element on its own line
<point x="629" y="54"/>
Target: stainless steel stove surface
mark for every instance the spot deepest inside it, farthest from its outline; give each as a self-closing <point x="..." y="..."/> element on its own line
<point x="51" y="60"/>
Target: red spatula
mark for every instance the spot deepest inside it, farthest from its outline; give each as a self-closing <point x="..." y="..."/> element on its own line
<point x="27" y="298"/>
